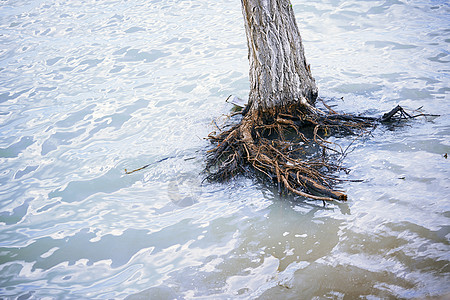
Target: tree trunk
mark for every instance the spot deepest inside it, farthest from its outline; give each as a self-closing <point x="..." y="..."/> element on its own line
<point x="279" y="75"/>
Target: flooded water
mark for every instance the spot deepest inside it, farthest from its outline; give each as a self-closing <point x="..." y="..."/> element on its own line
<point x="90" y="88"/>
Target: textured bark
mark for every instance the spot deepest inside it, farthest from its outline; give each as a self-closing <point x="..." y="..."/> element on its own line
<point x="279" y="74"/>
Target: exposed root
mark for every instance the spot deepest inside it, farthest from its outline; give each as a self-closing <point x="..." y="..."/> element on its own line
<point x="289" y="147"/>
<point x="284" y="148"/>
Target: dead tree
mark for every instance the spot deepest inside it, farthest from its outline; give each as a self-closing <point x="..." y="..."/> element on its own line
<point x="281" y="123"/>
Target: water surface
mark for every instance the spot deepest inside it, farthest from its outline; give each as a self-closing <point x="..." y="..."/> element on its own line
<point x="90" y="88"/>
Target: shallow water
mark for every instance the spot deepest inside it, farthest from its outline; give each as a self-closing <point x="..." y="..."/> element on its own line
<point x="90" y="88"/>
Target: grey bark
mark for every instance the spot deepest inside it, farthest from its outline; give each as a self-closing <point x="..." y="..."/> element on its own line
<point x="279" y="74"/>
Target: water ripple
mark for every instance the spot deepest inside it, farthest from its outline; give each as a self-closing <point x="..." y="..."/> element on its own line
<point x="90" y="89"/>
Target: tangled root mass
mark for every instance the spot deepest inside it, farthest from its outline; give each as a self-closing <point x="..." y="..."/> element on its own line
<point x="288" y="146"/>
